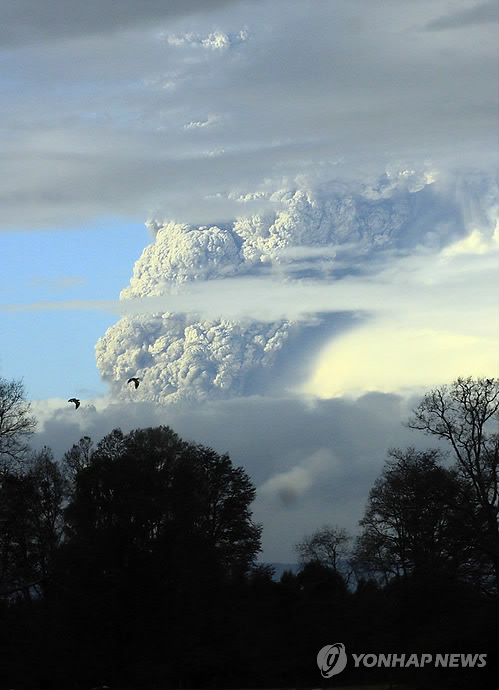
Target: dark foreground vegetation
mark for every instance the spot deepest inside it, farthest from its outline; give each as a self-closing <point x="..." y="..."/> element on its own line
<point x="132" y="563"/>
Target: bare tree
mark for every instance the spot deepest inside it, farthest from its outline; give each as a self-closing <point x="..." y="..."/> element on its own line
<point x="77" y="458"/>
<point x="466" y="413"/>
<point x="16" y="423"/>
<point x="328" y="546"/>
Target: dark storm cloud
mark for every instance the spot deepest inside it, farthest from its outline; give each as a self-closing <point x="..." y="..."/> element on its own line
<point x="312" y="462"/>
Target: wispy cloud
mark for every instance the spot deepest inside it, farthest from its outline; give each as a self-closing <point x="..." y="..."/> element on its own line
<point x="215" y="40"/>
<point x="57" y="283"/>
<point x="421" y="284"/>
<point x="210" y="121"/>
<point x="482" y="13"/>
<point x="420" y="317"/>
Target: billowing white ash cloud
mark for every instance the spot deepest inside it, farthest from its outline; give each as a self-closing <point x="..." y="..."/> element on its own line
<point x="326" y="232"/>
<point x="178" y="356"/>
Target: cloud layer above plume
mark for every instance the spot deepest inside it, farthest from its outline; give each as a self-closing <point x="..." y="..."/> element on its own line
<point x="177" y="110"/>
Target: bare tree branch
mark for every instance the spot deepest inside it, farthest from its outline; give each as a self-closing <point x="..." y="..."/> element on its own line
<point x="16" y="423"/>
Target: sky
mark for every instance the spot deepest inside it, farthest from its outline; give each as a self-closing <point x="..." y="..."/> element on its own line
<point x="282" y="215"/>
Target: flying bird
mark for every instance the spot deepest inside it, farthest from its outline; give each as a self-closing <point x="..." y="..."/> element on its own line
<point x="135" y="380"/>
<point x="75" y="401"/>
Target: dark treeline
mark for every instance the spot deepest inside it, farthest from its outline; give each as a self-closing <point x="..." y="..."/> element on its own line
<point x="132" y="563"/>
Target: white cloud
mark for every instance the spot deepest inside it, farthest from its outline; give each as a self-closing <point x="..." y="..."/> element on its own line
<point x="393" y="357"/>
<point x="215" y="40"/>
<point x="211" y="121"/>
<point x="477" y="242"/>
<point x="289" y="486"/>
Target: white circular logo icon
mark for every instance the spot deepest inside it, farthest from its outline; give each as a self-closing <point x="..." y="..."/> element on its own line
<point x="332" y="659"/>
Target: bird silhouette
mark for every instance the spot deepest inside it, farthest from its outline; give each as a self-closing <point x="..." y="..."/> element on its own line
<point x="135" y="380"/>
<point x="75" y="401"/>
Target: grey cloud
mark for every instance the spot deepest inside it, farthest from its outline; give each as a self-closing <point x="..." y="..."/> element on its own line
<point x="28" y="21"/>
<point x="483" y="13"/>
<point x="339" y="445"/>
<point x="93" y="131"/>
<point x="71" y="187"/>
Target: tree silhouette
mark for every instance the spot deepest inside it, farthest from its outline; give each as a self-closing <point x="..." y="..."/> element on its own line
<point x="152" y="485"/>
<point x="411" y="524"/>
<point x="156" y="530"/>
<point x="77" y="458"/>
<point x="31" y="522"/>
<point x="466" y="414"/>
<point x="327" y="546"/>
<point x="16" y="423"/>
<point x="153" y="582"/>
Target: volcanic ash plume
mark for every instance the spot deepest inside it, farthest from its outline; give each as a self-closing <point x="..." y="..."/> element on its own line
<point x="180" y="356"/>
<point x="177" y="356"/>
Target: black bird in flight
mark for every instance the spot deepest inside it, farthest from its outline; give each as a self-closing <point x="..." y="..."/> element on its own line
<point x="135" y="380"/>
<point x="75" y="401"/>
